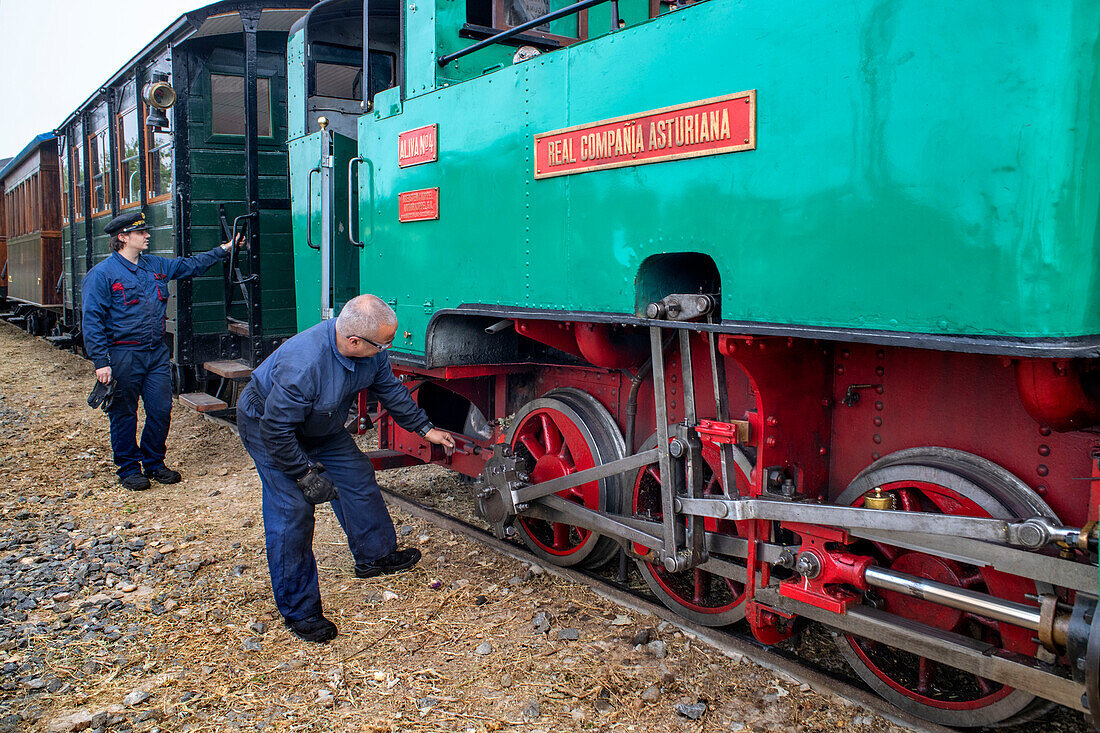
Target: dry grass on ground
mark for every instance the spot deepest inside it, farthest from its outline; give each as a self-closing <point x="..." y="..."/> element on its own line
<point x="181" y="622"/>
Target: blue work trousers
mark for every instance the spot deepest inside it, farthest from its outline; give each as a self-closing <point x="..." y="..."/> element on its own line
<point x="288" y="517"/>
<point x="144" y="373"/>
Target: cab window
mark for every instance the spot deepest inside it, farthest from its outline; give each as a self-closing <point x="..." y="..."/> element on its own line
<point x="500" y="15"/>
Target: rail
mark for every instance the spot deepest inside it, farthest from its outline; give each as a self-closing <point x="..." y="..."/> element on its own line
<point x="553" y="15"/>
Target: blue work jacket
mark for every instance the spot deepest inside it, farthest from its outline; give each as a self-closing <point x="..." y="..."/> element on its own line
<point x="125" y="302"/>
<point x="302" y="394"/>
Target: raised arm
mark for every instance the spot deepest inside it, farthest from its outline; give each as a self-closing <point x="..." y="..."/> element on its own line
<point x="184" y="267"/>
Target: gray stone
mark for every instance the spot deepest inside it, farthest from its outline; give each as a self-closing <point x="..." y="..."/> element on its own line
<point x="70" y="722"/>
<point x="651" y="693"/>
<point x="641" y="637"/>
<point x="135" y="698"/>
<point x="483" y="649"/>
<point x="658" y="649"/>
<point x="506" y="680"/>
<point x="693" y="711"/>
<point x="530" y="710"/>
<point x="252" y="645"/>
<point x="542" y="622"/>
<point x="569" y="634"/>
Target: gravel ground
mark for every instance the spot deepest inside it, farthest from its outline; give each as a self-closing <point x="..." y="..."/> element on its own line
<point x="152" y="611"/>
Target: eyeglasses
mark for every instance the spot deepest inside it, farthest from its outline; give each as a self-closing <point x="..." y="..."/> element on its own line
<point x="380" y="347"/>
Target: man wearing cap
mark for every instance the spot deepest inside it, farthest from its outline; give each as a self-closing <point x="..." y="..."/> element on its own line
<point x="125" y="298"/>
<point x="291" y="418"/>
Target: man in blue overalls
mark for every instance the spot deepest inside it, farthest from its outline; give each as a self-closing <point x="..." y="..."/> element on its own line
<point x="291" y="419"/>
<point x="125" y="298"/>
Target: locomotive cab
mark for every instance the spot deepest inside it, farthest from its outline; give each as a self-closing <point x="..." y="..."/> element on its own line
<point x="328" y="71"/>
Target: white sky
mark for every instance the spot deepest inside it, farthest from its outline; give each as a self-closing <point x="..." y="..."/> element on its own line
<point x="55" y="53"/>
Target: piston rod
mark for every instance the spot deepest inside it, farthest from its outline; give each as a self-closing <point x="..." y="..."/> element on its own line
<point x="961" y="599"/>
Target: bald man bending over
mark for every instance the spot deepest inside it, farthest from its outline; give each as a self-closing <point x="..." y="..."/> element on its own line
<point x="291" y="418"/>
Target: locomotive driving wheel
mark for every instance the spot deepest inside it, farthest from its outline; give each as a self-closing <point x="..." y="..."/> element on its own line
<point x="941" y="480"/>
<point x="563" y="432"/>
<point x="702" y="597"/>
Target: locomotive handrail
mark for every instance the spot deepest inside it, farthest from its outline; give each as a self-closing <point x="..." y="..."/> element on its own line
<point x="353" y="217"/>
<point x="504" y="35"/>
<point x="309" y="207"/>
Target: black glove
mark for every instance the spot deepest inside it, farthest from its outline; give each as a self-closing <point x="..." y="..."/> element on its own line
<point x="315" y="486"/>
<point x="102" y="395"/>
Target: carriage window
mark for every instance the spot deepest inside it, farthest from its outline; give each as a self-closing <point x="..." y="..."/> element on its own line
<point x="129" y="154"/>
<point x="63" y="159"/>
<point x="23" y="206"/>
<point x="158" y="161"/>
<point x="129" y="172"/>
<point x="99" y="159"/>
<point x="227" y="100"/>
<point x="78" y="173"/>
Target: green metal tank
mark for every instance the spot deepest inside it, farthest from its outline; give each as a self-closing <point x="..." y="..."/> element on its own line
<point x="914" y="170"/>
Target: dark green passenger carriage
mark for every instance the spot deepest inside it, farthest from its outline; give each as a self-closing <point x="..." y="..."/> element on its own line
<point x="193" y="131"/>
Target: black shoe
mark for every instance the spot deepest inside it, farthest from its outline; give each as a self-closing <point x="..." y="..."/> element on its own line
<point x="164" y="475"/>
<point x="317" y="629"/>
<point x="391" y="563"/>
<point x="134" y="482"/>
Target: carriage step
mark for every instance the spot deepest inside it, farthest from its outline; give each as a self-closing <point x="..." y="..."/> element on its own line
<point x="64" y="339"/>
<point x="230" y="369"/>
<point x="17" y="320"/>
<point x="241" y="329"/>
<point x="202" y="402"/>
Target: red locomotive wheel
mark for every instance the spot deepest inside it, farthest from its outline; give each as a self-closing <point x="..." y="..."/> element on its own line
<point x="945" y="481"/>
<point x="702" y="597"/>
<point x="561" y="433"/>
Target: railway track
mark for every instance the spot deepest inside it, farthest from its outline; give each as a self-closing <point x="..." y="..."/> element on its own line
<point x="726" y="640"/>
